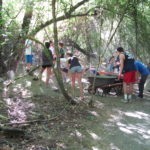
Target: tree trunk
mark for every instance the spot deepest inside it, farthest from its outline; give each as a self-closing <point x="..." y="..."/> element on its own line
<point x="2" y="65"/>
<point x="57" y="69"/>
<point x="19" y="47"/>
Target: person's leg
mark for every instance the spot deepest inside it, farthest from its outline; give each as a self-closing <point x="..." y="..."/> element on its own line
<point x="130" y="93"/>
<point x="141" y="85"/>
<point x="125" y="90"/>
<point x="79" y="78"/>
<point x="41" y="72"/>
<point x="48" y="75"/>
<point x="73" y="77"/>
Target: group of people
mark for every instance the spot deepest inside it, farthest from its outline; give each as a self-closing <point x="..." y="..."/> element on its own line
<point x="69" y="64"/>
<point x="131" y="70"/>
<point x="123" y="62"/>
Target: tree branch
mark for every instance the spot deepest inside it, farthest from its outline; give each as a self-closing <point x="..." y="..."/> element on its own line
<point x="67" y="15"/>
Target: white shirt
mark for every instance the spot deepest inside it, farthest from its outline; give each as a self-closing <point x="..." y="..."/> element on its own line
<point x="52" y="50"/>
<point x="63" y="63"/>
<point x="28" y="47"/>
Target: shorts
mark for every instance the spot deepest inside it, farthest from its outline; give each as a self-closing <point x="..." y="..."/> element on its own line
<point x="129" y="77"/>
<point x="28" y="58"/>
<point x="76" y="69"/>
<point x="45" y="66"/>
<point x="64" y="70"/>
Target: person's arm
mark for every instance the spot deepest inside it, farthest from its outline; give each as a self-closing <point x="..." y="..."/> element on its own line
<point x="137" y="76"/>
<point x="122" y="58"/>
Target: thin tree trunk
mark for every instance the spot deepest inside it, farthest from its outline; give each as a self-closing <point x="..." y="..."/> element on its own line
<point x="19" y="47"/>
<point x="2" y="65"/>
<point x="57" y="69"/>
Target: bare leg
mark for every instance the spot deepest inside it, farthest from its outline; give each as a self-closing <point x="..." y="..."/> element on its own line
<point x="73" y="77"/>
<point x="125" y="89"/>
<point x="79" y="78"/>
<point x="48" y="75"/>
<point x="41" y="72"/>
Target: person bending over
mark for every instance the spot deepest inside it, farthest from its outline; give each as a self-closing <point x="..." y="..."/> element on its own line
<point x="76" y="72"/>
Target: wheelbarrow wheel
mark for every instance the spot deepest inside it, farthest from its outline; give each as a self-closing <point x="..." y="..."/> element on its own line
<point x="118" y="90"/>
<point x="92" y="90"/>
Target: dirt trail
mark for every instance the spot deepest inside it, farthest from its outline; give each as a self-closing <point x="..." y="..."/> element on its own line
<point x="110" y="125"/>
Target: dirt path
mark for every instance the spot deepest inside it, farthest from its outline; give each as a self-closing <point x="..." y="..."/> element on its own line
<point x="110" y="125"/>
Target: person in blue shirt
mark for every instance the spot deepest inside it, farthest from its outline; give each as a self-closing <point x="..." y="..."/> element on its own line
<point x="142" y="71"/>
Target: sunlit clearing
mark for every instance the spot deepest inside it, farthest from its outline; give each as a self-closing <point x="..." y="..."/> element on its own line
<point x="126" y="130"/>
<point x="28" y="84"/>
<point x="95" y="148"/>
<point x="94" y="113"/>
<point x="94" y="136"/>
<point x="78" y="134"/>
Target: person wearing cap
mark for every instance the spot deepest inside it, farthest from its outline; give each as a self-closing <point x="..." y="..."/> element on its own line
<point x="142" y="71"/>
<point x="128" y="69"/>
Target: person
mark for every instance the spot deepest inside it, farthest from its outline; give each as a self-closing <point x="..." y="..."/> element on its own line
<point x="128" y="69"/>
<point x="110" y="65"/>
<point x="28" y="54"/>
<point x="76" y="72"/>
<point x="46" y="63"/>
<point x="61" y="50"/>
<point x="142" y="71"/>
<point x="63" y="68"/>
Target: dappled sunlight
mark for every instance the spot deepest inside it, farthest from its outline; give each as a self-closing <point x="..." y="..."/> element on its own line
<point x="28" y="84"/>
<point x="61" y="145"/>
<point x="99" y="104"/>
<point x="94" y="113"/>
<point x="139" y="115"/>
<point x="94" y="136"/>
<point x="114" y="147"/>
<point x="18" y="107"/>
<point x="95" y="148"/>
<point x="141" y="128"/>
<point x="125" y="130"/>
<point x="77" y="134"/>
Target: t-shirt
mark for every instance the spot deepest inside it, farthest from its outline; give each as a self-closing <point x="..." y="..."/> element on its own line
<point x="73" y="61"/>
<point x="63" y="63"/>
<point x="52" y="50"/>
<point x="61" y="53"/>
<point x="141" y="68"/>
<point x="28" y="47"/>
<point x="46" y="59"/>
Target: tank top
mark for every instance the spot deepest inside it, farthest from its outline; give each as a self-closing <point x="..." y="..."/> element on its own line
<point x="73" y="61"/>
<point x="128" y="62"/>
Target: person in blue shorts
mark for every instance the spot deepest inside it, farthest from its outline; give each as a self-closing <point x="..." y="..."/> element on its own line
<point x="28" y="54"/>
<point x="142" y="71"/>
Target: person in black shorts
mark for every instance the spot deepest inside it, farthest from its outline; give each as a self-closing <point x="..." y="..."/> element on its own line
<point x="46" y="64"/>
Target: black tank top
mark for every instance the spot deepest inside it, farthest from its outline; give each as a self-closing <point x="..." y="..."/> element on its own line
<point x="73" y="61"/>
<point x="128" y="62"/>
